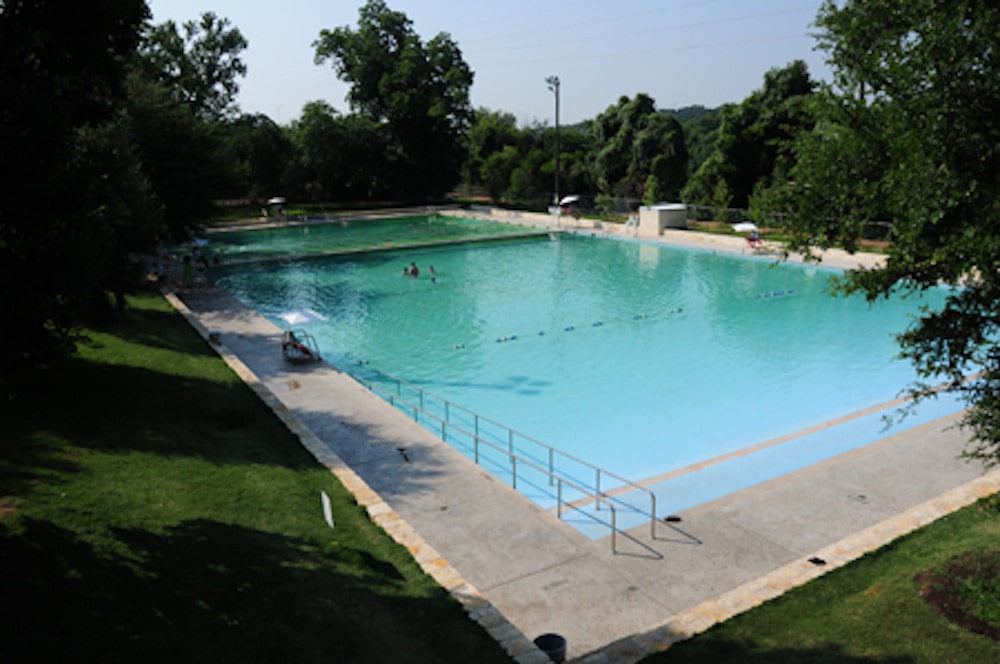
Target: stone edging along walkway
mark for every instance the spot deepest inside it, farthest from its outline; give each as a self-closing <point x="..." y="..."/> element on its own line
<point x="479" y="609"/>
<point x="749" y="595"/>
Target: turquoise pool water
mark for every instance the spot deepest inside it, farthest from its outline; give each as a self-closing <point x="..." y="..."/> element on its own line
<point x="351" y="234"/>
<point x="639" y="358"/>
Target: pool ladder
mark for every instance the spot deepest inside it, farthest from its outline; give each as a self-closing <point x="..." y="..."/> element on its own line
<point x="449" y="417"/>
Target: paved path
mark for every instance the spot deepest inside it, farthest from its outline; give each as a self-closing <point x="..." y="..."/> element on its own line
<point x="521" y="572"/>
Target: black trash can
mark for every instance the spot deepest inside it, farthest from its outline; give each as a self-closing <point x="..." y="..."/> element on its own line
<point x="553" y="645"/>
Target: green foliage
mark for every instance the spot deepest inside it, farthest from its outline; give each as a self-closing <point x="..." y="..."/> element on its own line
<point x="701" y="133"/>
<point x="497" y="170"/>
<point x="200" y="68"/>
<point x="490" y="135"/>
<point x="909" y="135"/>
<point x="342" y="157"/>
<point x="577" y="161"/>
<point x="652" y="193"/>
<point x="604" y="204"/>
<point x="119" y="221"/>
<point x="182" y="90"/>
<point x="613" y="134"/>
<point x="259" y="152"/>
<point x="527" y="174"/>
<point x="634" y="141"/>
<point x="182" y="154"/>
<point x="336" y="157"/>
<point x="420" y="91"/>
<point x="63" y="74"/>
<point x="691" y="113"/>
<point x="518" y="165"/>
<point x="755" y="139"/>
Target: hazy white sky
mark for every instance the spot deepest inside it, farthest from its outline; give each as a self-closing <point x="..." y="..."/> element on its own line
<point x="680" y="52"/>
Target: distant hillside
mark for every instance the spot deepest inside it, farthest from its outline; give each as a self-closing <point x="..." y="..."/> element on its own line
<point x="701" y="130"/>
<point x="689" y="112"/>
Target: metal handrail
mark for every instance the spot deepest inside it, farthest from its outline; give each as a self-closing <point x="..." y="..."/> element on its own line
<point x="514" y="459"/>
<point x="554" y="476"/>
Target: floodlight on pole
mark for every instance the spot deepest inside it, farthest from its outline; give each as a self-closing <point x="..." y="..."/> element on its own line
<point x="553" y="82"/>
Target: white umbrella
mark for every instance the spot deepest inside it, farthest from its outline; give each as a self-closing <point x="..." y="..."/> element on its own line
<point x="566" y="200"/>
<point x="300" y="316"/>
<point x="745" y="227"/>
<point x="277" y="200"/>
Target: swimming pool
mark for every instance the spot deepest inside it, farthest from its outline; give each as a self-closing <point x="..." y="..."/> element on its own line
<point x="352" y="234"/>
<point x="639" y="358"/>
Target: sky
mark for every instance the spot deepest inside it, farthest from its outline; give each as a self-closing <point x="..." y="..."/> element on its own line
<point x="679" y="52"/>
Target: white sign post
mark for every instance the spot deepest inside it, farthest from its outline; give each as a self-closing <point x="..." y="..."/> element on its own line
<point x="327" y="508"/>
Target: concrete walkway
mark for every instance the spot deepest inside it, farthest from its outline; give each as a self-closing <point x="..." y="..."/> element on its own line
<point x="521" y="572"/>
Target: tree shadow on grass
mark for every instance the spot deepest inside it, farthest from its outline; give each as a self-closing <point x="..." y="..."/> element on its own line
<point x="747" y="652"/>
<point x="114" y="408"/>
<point x="156" y="329"/>
<point x="208" y="591"/>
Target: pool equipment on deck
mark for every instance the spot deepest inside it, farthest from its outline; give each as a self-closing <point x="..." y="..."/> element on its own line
<point x="299" y="346"/>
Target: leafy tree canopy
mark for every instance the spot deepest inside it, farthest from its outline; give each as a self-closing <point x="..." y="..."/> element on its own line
<point x="76" y="203"/>
<point x="259" y="152"/>
<point x="635" y="141"/>
<point x="182" y="90"/>
<point x="489" y="134"/>
<point x="701" y="133"/>
<point x="421" y="91"/>
<point x="910" y="133"/>
<point x="755" y="139"/>
<point x="181" y="153"/>
<point x="201" y="67"/>
<point x="337" y="157"/>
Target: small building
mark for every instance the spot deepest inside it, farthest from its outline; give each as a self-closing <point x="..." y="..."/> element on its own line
<point x="654" y="218"/>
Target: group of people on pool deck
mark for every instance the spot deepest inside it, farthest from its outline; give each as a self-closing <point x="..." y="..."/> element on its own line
<point x="414" y="271"/>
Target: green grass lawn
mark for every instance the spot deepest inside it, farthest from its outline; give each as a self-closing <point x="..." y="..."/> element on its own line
<point x="153" y="509"/>
<point x="869" y="611"/>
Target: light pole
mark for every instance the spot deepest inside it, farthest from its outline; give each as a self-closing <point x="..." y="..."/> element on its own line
<point x="553" y="82"/>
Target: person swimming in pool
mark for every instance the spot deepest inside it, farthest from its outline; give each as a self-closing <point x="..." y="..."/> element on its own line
<point x="414" y="270"/>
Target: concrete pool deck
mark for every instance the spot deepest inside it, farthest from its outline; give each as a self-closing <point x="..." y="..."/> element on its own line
<point x="520" y="572"/>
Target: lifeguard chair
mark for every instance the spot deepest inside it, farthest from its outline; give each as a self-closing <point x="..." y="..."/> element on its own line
<point x="299" y="346"/>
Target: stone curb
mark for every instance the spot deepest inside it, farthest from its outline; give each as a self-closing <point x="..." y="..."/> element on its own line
<point x="754" y="593"/>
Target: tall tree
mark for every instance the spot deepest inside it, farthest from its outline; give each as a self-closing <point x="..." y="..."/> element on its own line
<point x="701" y="133"/>
<point x="660" y="152"/>
<point x="911" y="133"/>
<point x="634" y="141"/>
<point x="62" y="71"/>
<point x="577" y="173"/>
<point x="755" y="139"/>
<point x="337" y="157"/>
<point x="260" y="152"/>
<point x="200" y="67"/>
<point x="420" y="91"/>
<point x="182" y="90"/>
<point x="181" y="153"/>
<point x="489" y="133"/>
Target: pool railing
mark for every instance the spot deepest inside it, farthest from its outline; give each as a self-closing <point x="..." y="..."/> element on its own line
<point x="501" y="449"/>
